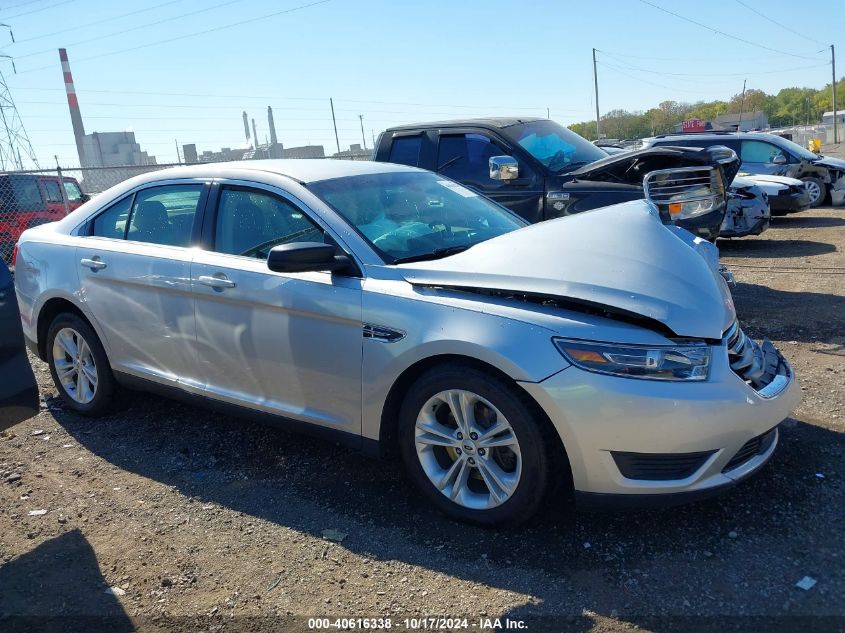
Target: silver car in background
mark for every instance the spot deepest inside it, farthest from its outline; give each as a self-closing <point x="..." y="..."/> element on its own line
<point x="400" y="311"/>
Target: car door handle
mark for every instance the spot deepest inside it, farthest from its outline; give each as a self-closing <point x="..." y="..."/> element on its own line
<point x="216" y="282"/>
<point x="93" y="264"/>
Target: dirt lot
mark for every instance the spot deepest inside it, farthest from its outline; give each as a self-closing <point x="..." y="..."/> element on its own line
<point x="202" y="522"/>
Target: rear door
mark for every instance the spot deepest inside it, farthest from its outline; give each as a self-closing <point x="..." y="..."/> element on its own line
<point x="134" y="272"/>
<point x="464" y="155"/>
<point x="54" y="198"/>
<point x="18" y="390"/>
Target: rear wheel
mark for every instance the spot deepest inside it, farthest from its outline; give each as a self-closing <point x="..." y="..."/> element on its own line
<point x="79" y="365"/>
<point x="817" y="190"/>
<point x="473" y="445"/>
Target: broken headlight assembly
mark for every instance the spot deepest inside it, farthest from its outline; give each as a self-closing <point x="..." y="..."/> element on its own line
<point x="685" y="192"/>
<point x="674" y="362"/>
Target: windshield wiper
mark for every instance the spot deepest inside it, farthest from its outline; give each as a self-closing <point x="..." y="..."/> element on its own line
<point x="574" y="166"/>
<point x="437" y="253"/>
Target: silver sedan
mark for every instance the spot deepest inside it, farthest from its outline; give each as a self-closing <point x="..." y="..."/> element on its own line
<point x="400" y="312"/>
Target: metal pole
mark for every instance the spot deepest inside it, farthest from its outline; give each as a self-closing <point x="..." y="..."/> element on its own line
<point x="741" y="107"/>
<point x="178" y="156"/>
<point x="62" y="187"/>
<point x="808" y="112"/>
<point x="363" y="138"/>
<point x="548" y="115"/>
<point x="833" y="86"/>
<point x="334" y="122"/>
<point x="596" y="83"/>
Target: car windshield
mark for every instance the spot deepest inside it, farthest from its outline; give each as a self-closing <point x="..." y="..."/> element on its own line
<point x="553" y="145"/>
<point x="795" y="148"/>
<point x="412" y="216"/>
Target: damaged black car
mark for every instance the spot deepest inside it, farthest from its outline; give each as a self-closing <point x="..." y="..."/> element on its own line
<point x="542" y="170"/>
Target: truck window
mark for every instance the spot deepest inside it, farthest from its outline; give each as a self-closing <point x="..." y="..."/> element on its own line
<point x="26" y="194"/>
<point x="74" y="194"/>
<point x="465" y="157"/>
<point x="51" y="188"/>
<point x="405" y="150"/>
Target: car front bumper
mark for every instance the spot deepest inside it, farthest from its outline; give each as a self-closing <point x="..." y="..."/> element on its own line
<point x="599" y="418"/>
<point x="789" y="202"/>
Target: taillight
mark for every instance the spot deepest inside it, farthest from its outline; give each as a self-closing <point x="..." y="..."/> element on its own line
<point x="15" y="254"/>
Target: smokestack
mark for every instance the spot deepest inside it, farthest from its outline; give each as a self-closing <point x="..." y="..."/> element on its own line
<point x="246" y="128"/>
<point x="273" y="138"/>
<point x="73" y="105"/>
<point x="254" y="134"/>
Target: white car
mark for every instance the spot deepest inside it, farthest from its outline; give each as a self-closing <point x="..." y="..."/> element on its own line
<point x="397" y="310"/>
<point x="785" y="194"/>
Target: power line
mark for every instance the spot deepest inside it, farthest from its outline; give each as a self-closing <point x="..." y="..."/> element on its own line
<point x="103" y="21"/>
<point x="722" y="33"/>
<point x="131" y="29"/>
<point x="187" y="35"/>
<point x="783" y="26"/>
<point x="640" y="79"/>
<point x="49" y="6"/>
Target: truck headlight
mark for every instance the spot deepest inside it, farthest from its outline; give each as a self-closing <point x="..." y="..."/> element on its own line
<point x="675" y="362"/>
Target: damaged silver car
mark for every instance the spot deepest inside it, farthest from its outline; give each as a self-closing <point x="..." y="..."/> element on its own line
<point x="748" y="211"/>
<point x="398" y="311"/>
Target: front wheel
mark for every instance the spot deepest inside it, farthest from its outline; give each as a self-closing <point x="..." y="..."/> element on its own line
<point x="79" y="365"/>
<point x="473" y="444"/>
<point x="817" y="190"/>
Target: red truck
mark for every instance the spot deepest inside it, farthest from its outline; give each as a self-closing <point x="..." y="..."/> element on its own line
<point x="27" y="200"/>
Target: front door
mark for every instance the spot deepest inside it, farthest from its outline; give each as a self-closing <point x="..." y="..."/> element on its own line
<point x="134" y="273"/>
<point x="465" y="157"/>
<point x="284" y="343"/>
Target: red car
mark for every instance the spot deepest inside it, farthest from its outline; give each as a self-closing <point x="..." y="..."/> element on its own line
<point x="27" y="200"/>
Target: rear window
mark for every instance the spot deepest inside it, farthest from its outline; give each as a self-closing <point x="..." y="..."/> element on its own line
<point x="405" y="150"/>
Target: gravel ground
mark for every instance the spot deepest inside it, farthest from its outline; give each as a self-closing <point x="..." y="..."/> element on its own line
<point x="198" y="521"/>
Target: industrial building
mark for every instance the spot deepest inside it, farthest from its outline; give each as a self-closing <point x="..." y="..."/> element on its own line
<point x="100" y="149"/>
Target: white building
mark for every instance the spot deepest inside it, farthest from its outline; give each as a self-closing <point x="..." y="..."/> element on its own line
<point x="113" y="149"/>
<point x="827" y="117"/>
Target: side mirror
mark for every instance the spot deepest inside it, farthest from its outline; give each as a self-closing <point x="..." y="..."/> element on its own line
<point x="503" y="168"/>
<point x="780" y="159"/>
<point x="302" y="257"/>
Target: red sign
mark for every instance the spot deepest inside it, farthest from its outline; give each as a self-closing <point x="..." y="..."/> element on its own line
<point x="693" y="125"/>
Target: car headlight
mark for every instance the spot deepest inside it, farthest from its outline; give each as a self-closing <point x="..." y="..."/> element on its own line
<point x="675" y="362"/>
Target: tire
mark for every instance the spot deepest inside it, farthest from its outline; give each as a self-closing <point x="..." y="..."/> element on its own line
<point x="66" y="331"/>
<point x="815" y="185"/>
<point x="527" y="467"/>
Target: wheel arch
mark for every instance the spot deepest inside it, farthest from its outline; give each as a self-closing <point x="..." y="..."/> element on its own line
<point x="48" y="312"/>
<point x="389" y="422"/>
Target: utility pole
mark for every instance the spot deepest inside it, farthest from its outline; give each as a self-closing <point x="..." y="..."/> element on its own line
<point x="596" y="83"/>
<point x="363" y="138"/>
<point x="741" y="107"/>
<point x="548" y="115"/>
<point x="334" y="121"/>
<point x="808" y="112"/>
<point x="178" y="156"/>
<point x="833" y="86"/>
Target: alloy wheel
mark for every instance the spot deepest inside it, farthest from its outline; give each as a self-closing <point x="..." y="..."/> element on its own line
<point x="814" y="190"/>
<point x="468" y="449"/>
<point x="75" y="365"/>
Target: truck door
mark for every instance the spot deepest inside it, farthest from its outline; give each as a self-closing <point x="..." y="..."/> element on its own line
<point x="465" y="156"/>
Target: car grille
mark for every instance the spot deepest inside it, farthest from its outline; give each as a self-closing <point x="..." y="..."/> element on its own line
<point x="753" y="447"/>
<point x="659" y="466"/>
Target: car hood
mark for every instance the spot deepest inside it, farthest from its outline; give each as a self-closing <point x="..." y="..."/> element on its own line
<point x="620" y="258"/>
<point x="829" y="161"/>
<point x="779" y="180"/>
<point x="634" y="165"/>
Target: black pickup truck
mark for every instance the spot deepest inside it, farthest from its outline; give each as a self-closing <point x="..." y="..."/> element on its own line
<point x="541" y="170"/>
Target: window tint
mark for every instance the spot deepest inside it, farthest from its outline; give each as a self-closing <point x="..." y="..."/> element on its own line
<point x="74" y="194"/>
<point x="164" y="215"/>
<point x="405" y="150"/>
<point x="112" y="222"/>
<point x="54" y="194"/>
<point x="759" y="152"/>
<point x="465" y="157"/>
<point x="27" y="194"/>
<point x="251" y="222"/>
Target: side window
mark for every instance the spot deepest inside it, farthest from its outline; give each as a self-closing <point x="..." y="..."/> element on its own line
<point x="73" y="192"/>
<point x="405" y="150"/>
<point x="164" y="215"/>
<point x="112" y="222"/>
<point x="51" y="188"/>
<point x="465" y="157"/>
<point x="27" y="194"/>
<point x="759" y="152"/>
<point x="251" y="222"/>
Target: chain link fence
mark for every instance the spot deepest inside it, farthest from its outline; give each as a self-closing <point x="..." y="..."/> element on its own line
<point x="30" y="198"/>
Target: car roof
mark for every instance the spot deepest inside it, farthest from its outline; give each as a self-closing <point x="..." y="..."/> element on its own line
<point x="303" y="170"/>
<point x="494" y="122"/>
<point x="711" y="134"/>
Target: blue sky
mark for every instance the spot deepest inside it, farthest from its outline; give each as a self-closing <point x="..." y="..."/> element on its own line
<point x="393" y="62"/>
